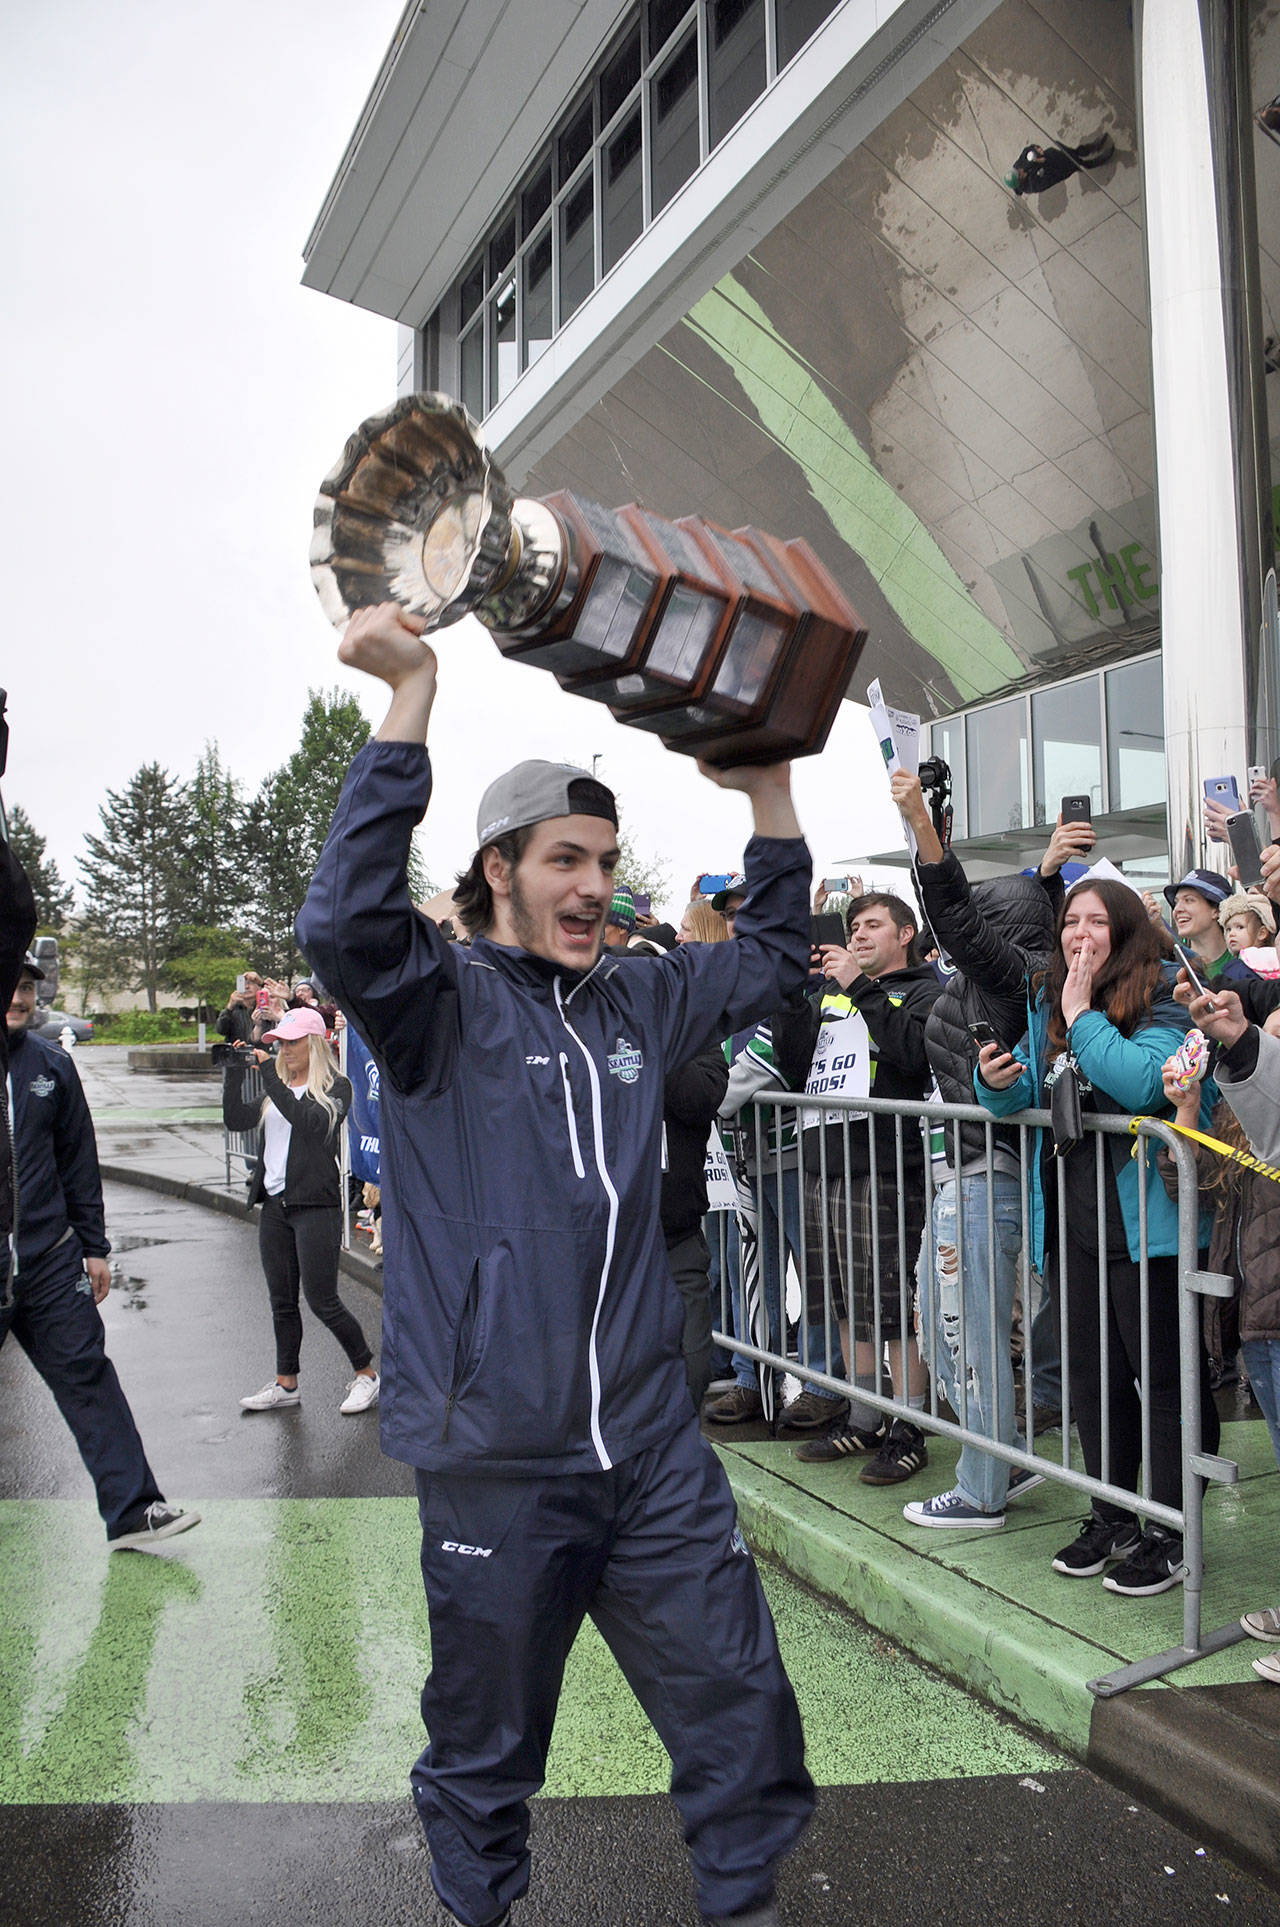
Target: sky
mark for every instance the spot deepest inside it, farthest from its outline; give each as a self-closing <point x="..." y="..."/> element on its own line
<point x="173" y="397"/>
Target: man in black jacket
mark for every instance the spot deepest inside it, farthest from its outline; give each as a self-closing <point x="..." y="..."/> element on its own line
<point x="866" y="1033"/>
<point x="63" y="1276"/>
<point x="997" y="936"/>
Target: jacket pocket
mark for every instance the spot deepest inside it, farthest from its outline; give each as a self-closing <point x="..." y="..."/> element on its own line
<point x="466" y="1345"/>
<point x="570" y="1118"/>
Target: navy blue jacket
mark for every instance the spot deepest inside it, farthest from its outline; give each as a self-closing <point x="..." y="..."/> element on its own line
<point x="530" y="1323"/>
<point x="59" y="1187"/>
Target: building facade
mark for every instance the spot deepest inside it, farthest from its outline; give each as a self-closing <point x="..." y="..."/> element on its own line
<point x="968" y="294"/>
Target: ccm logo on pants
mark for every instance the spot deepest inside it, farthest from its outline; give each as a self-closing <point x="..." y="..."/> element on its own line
<point x="472" y="1552"/>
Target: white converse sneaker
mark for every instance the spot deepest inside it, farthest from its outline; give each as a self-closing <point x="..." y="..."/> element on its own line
<point x="362" y="1392"/>
<point x="272" y="1398"/>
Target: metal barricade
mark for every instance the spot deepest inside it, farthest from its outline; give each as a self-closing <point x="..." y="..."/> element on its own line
<point x="243" y="1144"/>
<point x="892" y="1230"/>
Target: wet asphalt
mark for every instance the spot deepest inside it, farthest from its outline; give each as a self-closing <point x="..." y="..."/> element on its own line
<point x="221" y="1733"/>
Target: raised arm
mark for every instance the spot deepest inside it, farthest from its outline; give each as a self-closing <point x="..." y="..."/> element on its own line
<point x="388" y="966"/>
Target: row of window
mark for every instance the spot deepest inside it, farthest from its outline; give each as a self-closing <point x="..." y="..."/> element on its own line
<point x="677" y="80"/>
<point x="1100" y="735"/>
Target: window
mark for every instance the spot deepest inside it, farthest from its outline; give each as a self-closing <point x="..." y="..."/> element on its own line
<point x="946" y="739"/>
<point x="736" y="69"/>
<point x="1000" y="768"/>
<point x="1066" y="735"/>
<point x="641" y="128"/>
<point x="1135" y="734"/>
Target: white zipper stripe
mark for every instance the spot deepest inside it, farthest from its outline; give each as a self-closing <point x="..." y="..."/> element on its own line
<point x="597" y="1127"/>
<point x="578" y="1165"/>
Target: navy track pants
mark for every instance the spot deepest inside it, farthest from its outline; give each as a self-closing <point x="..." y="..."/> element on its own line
<point x="54" y="1319"/>
<point x="652" y="1551"/>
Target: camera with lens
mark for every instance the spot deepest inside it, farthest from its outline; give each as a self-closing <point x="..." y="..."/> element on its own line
<point x="223" y="1054"/>
<point x="935" y="781"/>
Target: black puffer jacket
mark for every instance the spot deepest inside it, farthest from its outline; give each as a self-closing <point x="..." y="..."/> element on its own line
<point x="997" y="934"/>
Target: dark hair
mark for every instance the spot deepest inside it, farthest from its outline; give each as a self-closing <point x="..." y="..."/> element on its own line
<point x="472" y="897"/>
<point x="1125" y="985"/>
<point x="904" y="917"/>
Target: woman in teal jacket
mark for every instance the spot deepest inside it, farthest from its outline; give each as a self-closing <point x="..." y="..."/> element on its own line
<point x="1105" y="1006"/>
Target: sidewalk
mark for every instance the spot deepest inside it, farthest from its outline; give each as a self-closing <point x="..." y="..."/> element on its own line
<point x="985" y="1608"/>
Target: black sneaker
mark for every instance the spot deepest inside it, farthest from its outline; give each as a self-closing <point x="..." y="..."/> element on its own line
<point x="1156" y="1566"/>
<point x="841" y="1442"/>
<point x="902" y="1453"/>
<point x="1098" y="1542"/>
<point x="149" y="1524"/>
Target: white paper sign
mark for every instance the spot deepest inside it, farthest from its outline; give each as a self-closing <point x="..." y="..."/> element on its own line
<point x="841" y="1067"/>
<point x="722" y="1192"/>
<point x="898" y="734"/>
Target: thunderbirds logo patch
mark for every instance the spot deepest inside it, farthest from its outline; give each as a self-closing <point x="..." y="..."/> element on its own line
<point x="626" y="1062"/>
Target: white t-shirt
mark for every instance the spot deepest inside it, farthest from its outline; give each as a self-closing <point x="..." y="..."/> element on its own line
<point x="275" y="1149"/>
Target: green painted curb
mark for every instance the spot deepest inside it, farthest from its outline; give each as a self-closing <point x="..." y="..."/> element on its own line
<point x="1009" y="1656"/>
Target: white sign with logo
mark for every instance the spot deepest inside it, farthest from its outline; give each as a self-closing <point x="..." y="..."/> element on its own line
<point x="722" y="1192"/>
<point x="841" y="1067"/>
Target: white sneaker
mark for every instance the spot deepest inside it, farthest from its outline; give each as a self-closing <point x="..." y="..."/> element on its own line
<point x="272" y="1398"/>
<point x="362" y="1392"/>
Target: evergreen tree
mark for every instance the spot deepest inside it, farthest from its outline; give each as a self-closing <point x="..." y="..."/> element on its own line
<point x="137" y="892"/>
<point x="214" y="857"/>
<point x="53" y="896"/>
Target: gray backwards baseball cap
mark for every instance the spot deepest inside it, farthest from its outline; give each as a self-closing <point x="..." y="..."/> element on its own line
<point x="534" y="791"/>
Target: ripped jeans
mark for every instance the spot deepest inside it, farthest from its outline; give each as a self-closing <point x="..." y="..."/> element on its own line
<point x="989" y="1408"/>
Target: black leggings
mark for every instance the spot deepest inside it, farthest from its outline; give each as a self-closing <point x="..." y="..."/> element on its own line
<point x="302" y="1249"/>
<point x="1124" y="1363"/>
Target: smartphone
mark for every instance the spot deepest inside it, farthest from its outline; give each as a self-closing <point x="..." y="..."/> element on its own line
<point x="828" y="927"/>
<point x="1256" y="773"/>
<point x="1242" y="831"/>
<point x="644" y="904"/>
<point x="263" y="999"/>
<point x="1184" y="958"/>
<point x="835" y="883"/>
<point x="983" y="1034"/>
<point x="1222" y="789"/>
<point x="1077" y="809"/>
<point x="240" y="983"/>
<point x="710" y="885"/>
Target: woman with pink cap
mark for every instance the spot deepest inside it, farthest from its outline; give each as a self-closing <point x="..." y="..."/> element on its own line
<point x="296" y="1181"/>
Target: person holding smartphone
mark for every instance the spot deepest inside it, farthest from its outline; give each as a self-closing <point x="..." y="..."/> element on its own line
<point x="1104" y="1013"/>
<point x="1195" y="903"/>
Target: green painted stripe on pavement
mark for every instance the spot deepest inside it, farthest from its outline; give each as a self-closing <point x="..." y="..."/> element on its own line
<point x="276" y="1653"/>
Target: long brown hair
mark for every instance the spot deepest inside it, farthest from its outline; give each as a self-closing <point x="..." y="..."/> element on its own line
<point x="1124" y="987"/>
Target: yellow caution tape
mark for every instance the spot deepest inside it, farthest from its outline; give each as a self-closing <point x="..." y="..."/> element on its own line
<point x="1246" y="1158"/>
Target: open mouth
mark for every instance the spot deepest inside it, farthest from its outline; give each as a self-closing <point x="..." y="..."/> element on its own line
<point x="579" y="933"/>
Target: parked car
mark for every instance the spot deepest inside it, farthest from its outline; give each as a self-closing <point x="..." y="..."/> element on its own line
<point x="51" y="1023"/>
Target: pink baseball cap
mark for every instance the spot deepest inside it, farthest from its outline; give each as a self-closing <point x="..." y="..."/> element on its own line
<point x="303" y="1022"/>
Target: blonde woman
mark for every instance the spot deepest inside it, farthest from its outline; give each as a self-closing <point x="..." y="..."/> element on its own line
<point x="701" y="924"/>
<point x="297" y="1183"/>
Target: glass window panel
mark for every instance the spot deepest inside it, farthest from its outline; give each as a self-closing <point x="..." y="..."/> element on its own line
<point x="577" y="248"/>
<point x="535" y="200"/>
<point x="574" y="143"/>
<point x="472" y="290"/>
<point x="537" y="297"/>
<point x="620" y="76"/>
<point x="664" y="17"/>
<point x="735" y="46"/>
<point x="502" y="248"/>
<point x="798" y="20"/>
<point x="504" y="362"/>
<point x="1000" y="768"/>
<point x="946" y="739"/>
<point x="622" y="214"/>
<point x="471" y="367"/>
<point x="1135" y="734"/>
<point x="1066" y="735"/>
<point x="674" y="112"/>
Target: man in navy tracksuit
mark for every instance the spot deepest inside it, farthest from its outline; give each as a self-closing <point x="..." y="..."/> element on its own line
<point x="62" y="1276"/>
<point x="531" y="1360"/>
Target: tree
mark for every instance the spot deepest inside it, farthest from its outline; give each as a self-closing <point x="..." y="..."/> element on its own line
<point x="288" y="821"/>
<point x="137" y="892"/>
<point x="214" y="857"/>
<point x="641" y="874"/>
<point x="205" y="963"/>
<point x="53" y="896"/>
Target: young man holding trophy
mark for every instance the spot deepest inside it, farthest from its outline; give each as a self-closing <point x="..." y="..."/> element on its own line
<point x="532" y="1370"/>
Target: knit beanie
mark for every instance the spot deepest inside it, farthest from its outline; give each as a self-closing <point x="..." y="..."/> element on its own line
<point x="622" y="910"/>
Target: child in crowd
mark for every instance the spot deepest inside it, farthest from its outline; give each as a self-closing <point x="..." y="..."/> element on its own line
<point x="1248" y="921"/>
<point x="1245" y="1243"/>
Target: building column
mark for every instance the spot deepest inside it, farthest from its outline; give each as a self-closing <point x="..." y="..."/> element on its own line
<point x="1209" y="406"/>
